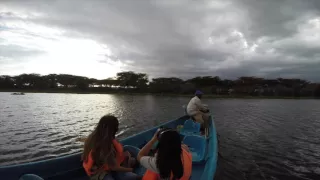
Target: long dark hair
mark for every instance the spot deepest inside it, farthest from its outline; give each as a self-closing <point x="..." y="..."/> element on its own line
<point x="169" y="155"/>
<point x="99" y="142"/>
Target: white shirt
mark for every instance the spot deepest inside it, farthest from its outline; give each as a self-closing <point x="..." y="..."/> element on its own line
<point x="194" y="106"/>
<point x="149" y="162"/>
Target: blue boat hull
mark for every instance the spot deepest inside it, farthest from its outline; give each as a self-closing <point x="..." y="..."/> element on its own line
<point x="70" y="167"/>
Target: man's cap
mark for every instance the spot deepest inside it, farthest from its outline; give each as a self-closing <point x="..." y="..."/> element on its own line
<point x="198" y="92"/>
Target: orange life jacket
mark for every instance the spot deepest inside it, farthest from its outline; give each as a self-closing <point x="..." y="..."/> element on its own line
<point x="187" y="168"/>
<point x="87" y="164"/>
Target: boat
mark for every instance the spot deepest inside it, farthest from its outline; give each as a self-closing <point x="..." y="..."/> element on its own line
<point x="70" y="166"/>
<point x="18" y="93"/>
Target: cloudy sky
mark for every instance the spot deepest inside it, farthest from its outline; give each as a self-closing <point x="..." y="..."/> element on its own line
<point x="97" y="38"/>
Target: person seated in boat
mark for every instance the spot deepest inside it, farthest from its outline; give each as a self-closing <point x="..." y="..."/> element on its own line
<point x="172" y="160"/>
<point x="197" y="110"/>
<point x="103" y="156"/>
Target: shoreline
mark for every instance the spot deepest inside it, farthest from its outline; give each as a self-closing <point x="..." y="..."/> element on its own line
<point x="211" y="96"/>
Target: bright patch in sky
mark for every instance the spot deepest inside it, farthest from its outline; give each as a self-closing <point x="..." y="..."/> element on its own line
<point x="53" y="52"/>
<point x="76" y="56"/>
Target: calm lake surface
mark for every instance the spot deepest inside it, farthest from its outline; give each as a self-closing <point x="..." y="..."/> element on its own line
<point x="259" y="139"/>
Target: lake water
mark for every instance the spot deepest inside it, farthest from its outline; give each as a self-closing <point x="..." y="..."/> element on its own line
<point x="259" y="139"/>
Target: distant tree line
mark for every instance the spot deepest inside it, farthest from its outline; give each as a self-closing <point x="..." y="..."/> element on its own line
<point x="139" y="83"/>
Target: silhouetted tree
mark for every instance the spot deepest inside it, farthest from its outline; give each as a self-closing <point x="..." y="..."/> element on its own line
<point x="66" y="80"/>
<point x="6" y="82"/>
<point x="165" y="85"/>
<point x="317" y="91"/>
<point x="131" y="79"/>
<point x="82" y="84"/>
<point x="51" y="80"/>
<point x="138" y="82"/>
<point x="204" y="81"/>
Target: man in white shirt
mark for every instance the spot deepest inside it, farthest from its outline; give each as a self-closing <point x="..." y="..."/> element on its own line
<point x="197" y="110"/>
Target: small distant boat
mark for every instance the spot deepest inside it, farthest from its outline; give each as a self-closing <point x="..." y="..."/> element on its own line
<point x="18" y="93"/>
<point x="204" y="151"/>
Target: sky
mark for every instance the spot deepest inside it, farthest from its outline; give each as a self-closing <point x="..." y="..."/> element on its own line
<point x="181" y="38"/>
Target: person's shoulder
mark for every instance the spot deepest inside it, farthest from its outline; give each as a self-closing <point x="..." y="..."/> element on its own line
<point x="194" y="98"/>
<point x="191" y="100"/>
<point x="115" y="141"/>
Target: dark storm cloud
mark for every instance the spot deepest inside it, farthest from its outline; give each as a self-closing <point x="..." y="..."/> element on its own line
<point x="277" y="17"/>
<point x="188" y="38"/>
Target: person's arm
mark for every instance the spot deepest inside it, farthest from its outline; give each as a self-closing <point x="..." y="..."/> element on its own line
<point x="184" y="146"/>
<point x="121" y="169"/>
<point x="200" y="105"/>
<point x="146" y="149"/>
<point x="118" y="167"/>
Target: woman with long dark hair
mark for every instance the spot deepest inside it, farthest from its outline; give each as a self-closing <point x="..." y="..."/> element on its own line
<point x="171" y="161"/>
<point x="103" y="155"/>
